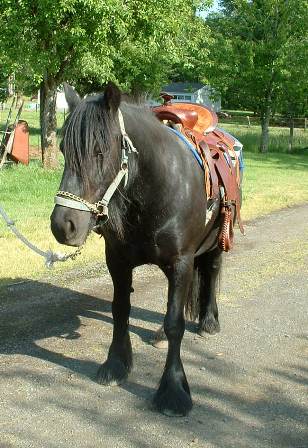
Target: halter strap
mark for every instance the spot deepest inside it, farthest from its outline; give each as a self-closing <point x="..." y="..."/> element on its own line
<point x="100" y="208"/>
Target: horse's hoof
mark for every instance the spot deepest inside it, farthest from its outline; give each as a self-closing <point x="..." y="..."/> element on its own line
<point x="173" y="403"/>
<point x="112" y="373"/>
<point x="161" y="344"/>
<point x="208" y="325"/>
<point x="160" y="339"/>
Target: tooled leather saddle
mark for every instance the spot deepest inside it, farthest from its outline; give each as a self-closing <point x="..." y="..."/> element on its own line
<point x="221" y="164"/>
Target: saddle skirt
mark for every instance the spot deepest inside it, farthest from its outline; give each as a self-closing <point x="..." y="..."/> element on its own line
<point x="220" y="155"/>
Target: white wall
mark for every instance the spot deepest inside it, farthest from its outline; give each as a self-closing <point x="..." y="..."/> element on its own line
<point x="61" y="101"/>
<point x="201" y="96"/>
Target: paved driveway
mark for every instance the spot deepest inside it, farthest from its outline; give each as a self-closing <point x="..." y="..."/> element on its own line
<point x="249" y="383"/>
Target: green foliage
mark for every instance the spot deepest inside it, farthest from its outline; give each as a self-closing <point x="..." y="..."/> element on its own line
<point x="4" y="75"/>
<point x="293" y="91"/>
<point x="48" y="38"/>
<point x="134" y="42"/>
<point x="254" y="43"/>
<point x="255" y="46"/>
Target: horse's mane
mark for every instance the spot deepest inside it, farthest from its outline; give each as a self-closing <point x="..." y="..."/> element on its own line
<point x="91" y="126"/>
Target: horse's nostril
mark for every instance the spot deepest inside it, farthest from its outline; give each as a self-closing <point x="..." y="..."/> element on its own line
<point x="70" y="228"/>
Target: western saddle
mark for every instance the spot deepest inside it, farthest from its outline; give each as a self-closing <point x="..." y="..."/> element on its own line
<point x="221" y="165"/>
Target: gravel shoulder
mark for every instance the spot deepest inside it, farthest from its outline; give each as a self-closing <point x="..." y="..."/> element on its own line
<point x="248" y="383"/>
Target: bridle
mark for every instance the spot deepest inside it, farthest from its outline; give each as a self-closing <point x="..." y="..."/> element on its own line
<point x="100" y="208"/>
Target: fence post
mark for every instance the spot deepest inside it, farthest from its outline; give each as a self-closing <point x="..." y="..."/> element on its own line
<point x="248" y="119"/>
<point x="305" y="124"/>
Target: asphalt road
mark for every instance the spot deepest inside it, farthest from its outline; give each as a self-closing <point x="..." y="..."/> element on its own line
<point x="249" y="383"/>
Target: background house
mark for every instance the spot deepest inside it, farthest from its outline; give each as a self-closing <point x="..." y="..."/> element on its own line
<point x="61" y="102"/>
<point x="194" y="93"/>
<point x="181" y="91"/>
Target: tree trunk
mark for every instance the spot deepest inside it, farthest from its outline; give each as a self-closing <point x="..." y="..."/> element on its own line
<point x="11" y="85"/>
<point x="48" y="121"/>
<point x="18" y="99"/>
<point x="291" y="134"/>
<point x="265" y="118"/>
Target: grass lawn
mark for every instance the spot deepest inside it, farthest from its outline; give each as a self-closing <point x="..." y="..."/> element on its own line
<point x="271" y="182"/>
<point x="278" y="138"/>
<point x="27" y="196"/>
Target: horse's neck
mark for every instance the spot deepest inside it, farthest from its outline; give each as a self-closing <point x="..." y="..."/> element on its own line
<point x="148" y="136"/>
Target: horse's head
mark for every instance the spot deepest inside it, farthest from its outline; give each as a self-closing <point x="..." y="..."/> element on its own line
<point x="91" y="146"/>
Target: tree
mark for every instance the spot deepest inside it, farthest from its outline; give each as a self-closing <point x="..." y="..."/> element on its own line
<point x="192" y="65"/>
<point x="133" y="42"/>
<point x="255" y="37"/>
<point x="293" y="94"/>
<point x="49" y="40"/>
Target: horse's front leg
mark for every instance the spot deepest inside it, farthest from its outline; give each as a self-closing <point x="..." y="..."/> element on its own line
<point x="173" y="394"/>
<point x="119" y="361"/>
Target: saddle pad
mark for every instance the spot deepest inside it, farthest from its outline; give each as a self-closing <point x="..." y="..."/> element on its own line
<point x="189" y="145"/>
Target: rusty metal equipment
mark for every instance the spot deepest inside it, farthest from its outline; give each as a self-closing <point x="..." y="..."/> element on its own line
<point x="15" y="139"/>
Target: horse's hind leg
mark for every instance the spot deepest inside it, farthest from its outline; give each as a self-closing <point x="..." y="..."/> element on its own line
<point x="209" y="265"/>
<point x="119" y="361"/>
<point x="173" y="395"/>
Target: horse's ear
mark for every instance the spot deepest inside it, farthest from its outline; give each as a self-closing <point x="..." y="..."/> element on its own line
<point x="112" y="96"/>
<point x="71" y="96"/>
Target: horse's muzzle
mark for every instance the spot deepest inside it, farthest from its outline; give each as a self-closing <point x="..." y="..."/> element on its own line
<point x="70" y="227"/>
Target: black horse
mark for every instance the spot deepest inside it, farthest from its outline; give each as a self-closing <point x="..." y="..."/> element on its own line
<point x="157" y="214"/>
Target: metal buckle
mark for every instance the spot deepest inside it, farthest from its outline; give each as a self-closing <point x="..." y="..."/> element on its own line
<point x="102" y="210"/>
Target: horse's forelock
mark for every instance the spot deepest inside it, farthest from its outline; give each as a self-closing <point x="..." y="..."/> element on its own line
<point x="89" y="127"/>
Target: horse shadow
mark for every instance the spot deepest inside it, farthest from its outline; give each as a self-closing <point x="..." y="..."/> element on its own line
<point x="33" y="310"/>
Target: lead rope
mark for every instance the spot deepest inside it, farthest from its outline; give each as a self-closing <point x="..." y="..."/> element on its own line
<point x="50" y="256"/>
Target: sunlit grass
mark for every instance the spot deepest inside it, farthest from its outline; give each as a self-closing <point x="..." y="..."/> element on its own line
<point x="272" y="182"/>
<point x="27" y="197"/>
<point x="32" y="117"/>
<point x="278" y="138"/>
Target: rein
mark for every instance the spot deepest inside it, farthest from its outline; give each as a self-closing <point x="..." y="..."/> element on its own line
<point x="100" y="208"/>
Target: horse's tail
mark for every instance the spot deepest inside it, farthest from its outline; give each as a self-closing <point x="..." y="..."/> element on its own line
<point x="192" y="306"/>
<point x="199" y="287"/>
